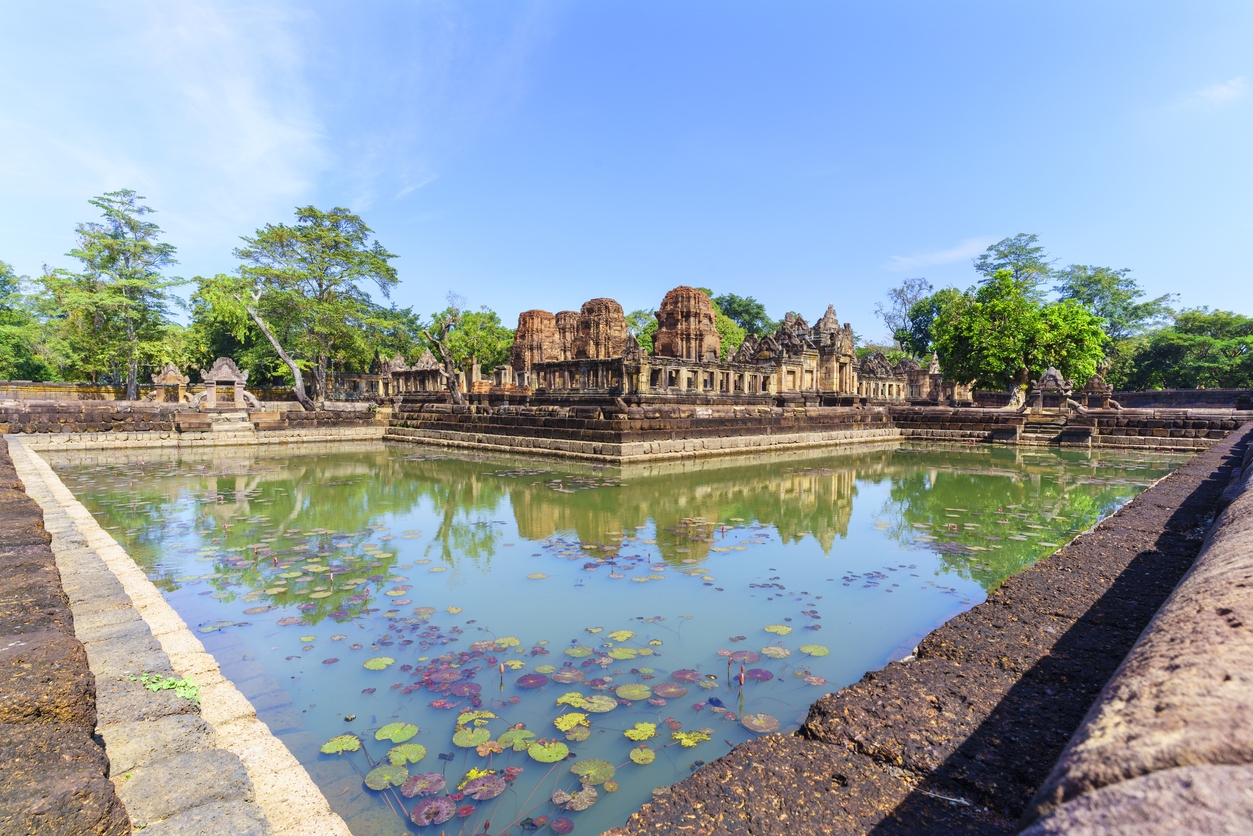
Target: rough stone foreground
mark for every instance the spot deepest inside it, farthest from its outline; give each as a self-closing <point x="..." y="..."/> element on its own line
<point x="959" y="738"/>
<point x="177" y="767"/>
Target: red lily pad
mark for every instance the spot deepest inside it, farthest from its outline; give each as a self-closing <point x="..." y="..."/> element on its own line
<point x="532" y="680"/>
<point x="561" y="824"/>
<point x="434" y="810"/>
<point x="758" y="675"/>
<point x="685" y="676"/>
<point x="670" y="690"/>
<point x="424" y="783"/>
<point x="485" y="788"/>
<point x="746" y="656"/>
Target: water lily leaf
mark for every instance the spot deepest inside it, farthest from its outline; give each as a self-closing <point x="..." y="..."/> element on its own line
<point x="685" y="676"/>
<point x="341" y="743"/>
<point x="537" y="576"/>
<point x="583" y="799"/>
<point x="514" y="664"/>
<point x="549" y="751"/>
<point x="780" y="629"/>
<point x="378" y="663"/>
<point x="471" y="738"/>
<point x="579" y="733"/>
<point x="478" y="718"/>
<point x="760" y="723"/>
<point x="599" y="703"/>
<point x="435" y="810"/>
<point x="573" y="699"/>
<point x="484" y="788"/>
<point x="814" y="649"/>
<point x="758" y="675"/>
<point x="566" y="676"/>
<point x="745" y="656"/>
<point x="634" y="691"/>
<point x="669" y="690"/>
<point x="396" y="732"/>
<point x="453" y="610"/>
<point x="531" y="680"/>
<point x="579" y="651"/>
<point x="621" y="635"/>
<point x="519" y="739"/>
<point x="687" y="739"/>
<point x="546" y="669"/>
<point x="623" y="653"/>
<point x="641" y="731"/>
<point x="594" y="629"/>
<point x="776" y="652"/>
<point x="406" y="753"/>
<point x="491" y="747"/>
<point x="387" y="775"/>
<point x="508" y="641"/>
<point x="424" y="783"/>
<point x="593" y="771"/>
<point x="643" y="756"/>
<point x="568" y="721"/>
<point x="561" y="824"/>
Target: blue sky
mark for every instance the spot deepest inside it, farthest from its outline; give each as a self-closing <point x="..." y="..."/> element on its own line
<point x="538" y="154"/>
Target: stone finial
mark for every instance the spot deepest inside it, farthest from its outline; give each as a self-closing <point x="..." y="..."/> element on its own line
<point x="829" y="321"/>
<point x="1053" y="380"/>
<point x="170" y="376"/>
<point x="685" y="326"/>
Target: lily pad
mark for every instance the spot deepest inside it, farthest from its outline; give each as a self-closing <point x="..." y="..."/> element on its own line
<point x="685" y="676"/>
<point x="572" y="698"/>
<point x="814" y="649"/>
<point x="621" y="635"/>
<point x="579" y="651"/>
<point x="435" y="810"/>
<point x="776" y="652"/>
<point x="687" y="739"/>
<point x="641" y="731"/>
<point x="599" y="703"/>
<point x="745" y="656"/>
<point x="387" y="775"/>
<point x="669" y="690"/>
<point x="424" y="783"/>
<point x="378" y="663"/>
<point x="566" y="676"/>
<point x="406" y="753"/>
<point x="579" y="734"/>
<point x="582" y="799"/>
<point x="568" y="721"/>
<point x="593" y="771"/>
<point x="623" y="653"/>
<point x="396" y="732"/>
<point x="634" y="691"/>
<point x="471" y="738"/>
<point x="519" y="739"/>
<point x="643" y="756"/>
<point x="561" y="824"/>
<point x="760" y="723"/>
<point x="548" y="751"/>
<point x="779" y="629"/>
<point x="532" y="680"/>
<point x="341" y="743"/>
<point x="484" y="788"/>
<point x="758" y="675"/>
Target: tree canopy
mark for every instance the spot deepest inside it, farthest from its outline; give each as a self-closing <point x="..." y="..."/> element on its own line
<point x="918" y="334"/>
<point x="998" y="335"/>
<point x="1025" y="260"/>
<point x="1203" y="348"/>
<point x="746" y="312"/>
<point x="901" y="301"/>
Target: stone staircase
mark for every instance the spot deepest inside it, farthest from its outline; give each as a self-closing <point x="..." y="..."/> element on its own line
<point x="235" y="422"/>
<point x="1056" y="430"/>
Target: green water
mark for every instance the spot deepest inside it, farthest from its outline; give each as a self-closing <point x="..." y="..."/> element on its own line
<point x="652" y="585"/>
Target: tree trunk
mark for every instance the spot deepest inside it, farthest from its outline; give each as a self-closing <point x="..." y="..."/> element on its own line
<point x="319" y="374"/>
<point x="132" y="365"/>
<point x="445" y="357"/>
<point x="299" y="383"/>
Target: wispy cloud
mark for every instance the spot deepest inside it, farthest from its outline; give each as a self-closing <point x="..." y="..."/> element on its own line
<point x="966" y="249"/>
<point x="1221" y="93"/>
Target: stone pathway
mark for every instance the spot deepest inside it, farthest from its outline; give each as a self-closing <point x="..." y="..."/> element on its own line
<point x="179" y="767"/>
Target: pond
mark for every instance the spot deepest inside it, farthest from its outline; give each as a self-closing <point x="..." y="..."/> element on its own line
<point x="467" y="643"/>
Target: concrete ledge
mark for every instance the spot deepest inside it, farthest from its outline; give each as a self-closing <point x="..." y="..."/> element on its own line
<point x="1183" y="698"/>
<point x="263" y="790"/>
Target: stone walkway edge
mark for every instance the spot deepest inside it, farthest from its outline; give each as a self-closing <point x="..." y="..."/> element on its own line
<point x="156" y="740"/>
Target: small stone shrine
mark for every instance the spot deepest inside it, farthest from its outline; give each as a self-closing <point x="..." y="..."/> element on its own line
<point x="170" y="386"/>
<point x="224" y="386"/>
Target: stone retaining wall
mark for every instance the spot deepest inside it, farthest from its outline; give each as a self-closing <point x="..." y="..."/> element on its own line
<point x="79" y="417"/>
<point x="56" y="775"/>
<point x="1168" y="745"/>
<point x="638" y="434"/>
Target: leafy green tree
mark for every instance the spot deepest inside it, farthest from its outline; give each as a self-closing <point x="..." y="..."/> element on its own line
<point x="746" y="312"/>
<point x="20" y="333"/>
<point x="115" y="312"/>
<point x="305" y="283"/>
<point x="1115" y="297"/>
<point x="1203" y="349"/>
<point x="733" y="335"/>
<point x="1025" y="260"/>
<point x="918" y="335"/>
<point x="998" y="335"/>
<point x="642" y="325"/>
<point x="476" y="336"/>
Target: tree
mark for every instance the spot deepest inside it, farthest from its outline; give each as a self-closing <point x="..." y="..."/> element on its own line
<point x="733" y="335"/>
<point x="445" y="324"/>
<point x="116" y="310"/>
<point x="1112" y="295"/>
<point x="918" y="335"/>
<point x="997" y="335"/>
<point x="745" y="312"/>
<point x="305" y="282"/>
<point x="642" y="324"/>
<point x="474" y="336"/>
<point x="20" y="333"/>
<point x="900" y="301"/>
<point x="1203" y="349"/>
<point x="1020" y="255"/>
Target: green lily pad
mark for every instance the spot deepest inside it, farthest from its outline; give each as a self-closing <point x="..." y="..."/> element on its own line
<point x="579" y="651"/>
<point x="341" y="743"/>
<point x="780" y="629"/>
<point x="599" y="703"/>
<point x="568" y="721"/>
<point x="634" y="691"/>
<point x="579" y="734"/>
<point x="621" y="635"/>
<point x="643" y="756"/>
<point x="642" y="731"/>
<point x="623" y="653"/>
<point x="519" y="739"/>
<point x="776" y="652"/>
<point x="478" y="718"/>
<point x="387" y="775"/>
<point x="406" y="753"/>
<point x="814" y="649"/>
<point x="378" y="663"/>
<point x="545" y="669"/>
<point x="471" y="738"/>
<point x="593" y="771"/>
<point x="396" y="732"/>
<point x="573" y="699"/>
<point x="548" y="752"/>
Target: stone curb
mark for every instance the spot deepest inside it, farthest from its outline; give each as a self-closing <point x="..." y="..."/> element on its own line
<point x="1177" y="716"/>
<point x="286" y="796"/>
